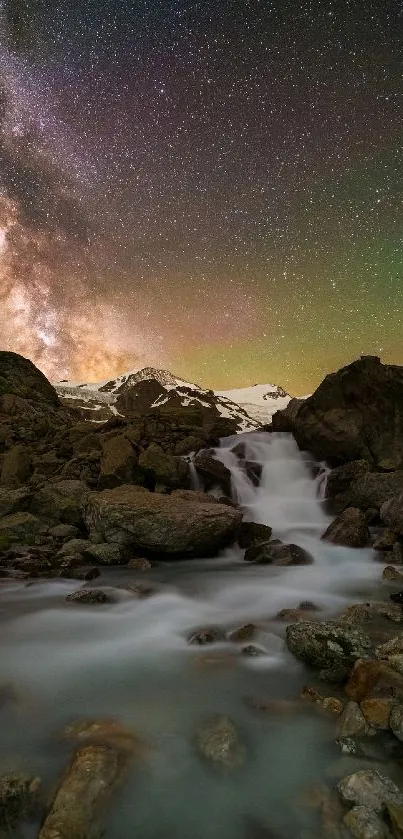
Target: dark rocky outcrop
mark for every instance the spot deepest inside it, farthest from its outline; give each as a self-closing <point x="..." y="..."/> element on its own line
<point x="356" y="413"/>
<point x="214" y="472"/>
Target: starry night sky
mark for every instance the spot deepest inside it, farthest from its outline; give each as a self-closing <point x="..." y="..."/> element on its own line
<point x="211" y="187"/>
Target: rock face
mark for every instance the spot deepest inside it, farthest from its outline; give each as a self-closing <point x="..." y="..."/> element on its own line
<point x="181" y="524"/>
<point x="20" y="377"/>
<point x="366" y="490"/>
<point x="326" y="645"/>
<point x="356" y="413"/>
<point x="83" y="794"/>
<point x="349" y="528"/>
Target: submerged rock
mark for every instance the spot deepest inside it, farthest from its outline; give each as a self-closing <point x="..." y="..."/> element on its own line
<point x="349" y="528"/>
<point x="83" y="795"/>
<point x="206" y="636"/>
<point x="218" y="742"/>
<point x="19" y="800"/>
<point x="370" y="788"/>
<point x="327" y="645"/>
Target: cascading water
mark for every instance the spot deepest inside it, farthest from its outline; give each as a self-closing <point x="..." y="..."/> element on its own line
<point x="131" y="660"/>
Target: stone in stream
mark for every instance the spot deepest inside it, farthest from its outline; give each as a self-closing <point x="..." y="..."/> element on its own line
<point x="218" y="742"/>
<point x="369" y="788"/>
<point x="274" y="553"/>
<point x="83" y="794"/>
<point x="19" y="801"/>
<point x="397" y="597"/>
<point x="364" y="823"/>
<point x="251" y="533"/>
<point x="111" y="732"/>
<point x="140" y="563"/>
<point x="244" y="633"/>
<point x="88" y="595"/>
<point x="327" y="645"/>
<point x="253" y="650"/>
<point x="349" y="529"/>
<point x="391" y="573"/>
<point x="329" y="704"/>
<point x="209" y="635"/>
<point x="365" y="612"/>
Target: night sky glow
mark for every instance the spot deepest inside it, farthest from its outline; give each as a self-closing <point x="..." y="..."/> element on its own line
<point x="211" y="187"/>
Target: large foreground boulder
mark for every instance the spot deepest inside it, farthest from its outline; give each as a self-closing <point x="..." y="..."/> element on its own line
<point x="356" y="413"/>
<point x="184" y="523"/>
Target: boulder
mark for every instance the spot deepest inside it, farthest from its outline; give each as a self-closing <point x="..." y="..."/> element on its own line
<point x="64" y="532"/>
<point x="21" y="526"/>
<point x="17" y="466"/>
<point x="218" y="742"/>
<point x="81" y="572"/>
<point x="164" y="469"/>
<point x="360" y="613"/>
<point x="179" y="524"/>
<point x="352" y="722"/>
<point x="252" y="532"/>
<point x="327" y="645"/>
<point x="82" y="797"/>
<point x="14" y="500"/>
<point x="369" y="676"/>
<point x="341" y="477"/>
<point x="396" y="720"/>
<point x="369" y="490"/>
<point x="60" y="502"/>
<point x="105" y="554"/>
<point x="369" y="788"/>
<point x="213" y="471"/>
<point x="356" y="413"/>
<point x="391" y="573"/>
<point x="206" y="636"/>
<point x="271" y="553"/>
<point x="392" y="514"/>
<point x="286" y="419"/>
<point x="377" y="712"/>
<point x="385" y="541"/>
<point x="349" y="528"/>
<point x="364" y="823"/>
<point x="118" y="462"/>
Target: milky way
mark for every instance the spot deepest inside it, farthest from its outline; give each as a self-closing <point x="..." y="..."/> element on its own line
<point x="213" y="188"/>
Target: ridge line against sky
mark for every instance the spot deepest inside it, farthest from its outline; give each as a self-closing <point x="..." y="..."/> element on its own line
<point x="211" y="188"/>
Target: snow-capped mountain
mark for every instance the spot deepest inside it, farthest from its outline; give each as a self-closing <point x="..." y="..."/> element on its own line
<point x="259" y="401"/>
<point x="139" y="391"/>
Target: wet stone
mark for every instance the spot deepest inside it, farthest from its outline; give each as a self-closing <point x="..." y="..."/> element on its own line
<point x="370" y="788"/>
<point x="364" y="823"/>
<point x="244" y="633"/>
<point x="253" y="650"/>
<point x="377" y="712"/>
<point x="85" y="572"/>
<point x="352" y="722"/>
<point x="140" y="563"/>
<point x="209" y="635"/>
<point x="19" y="800"/>
<point x="88" y="595"/>
<point x="218" y="742"/>
<point x="391" y="573"/>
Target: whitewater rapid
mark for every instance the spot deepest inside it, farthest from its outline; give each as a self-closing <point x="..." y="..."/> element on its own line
<point x="132" y="659"/>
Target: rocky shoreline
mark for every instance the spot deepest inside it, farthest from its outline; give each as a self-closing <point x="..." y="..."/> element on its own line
<point x="77" y="498"/>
